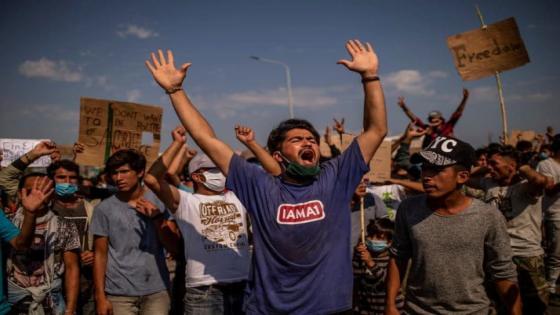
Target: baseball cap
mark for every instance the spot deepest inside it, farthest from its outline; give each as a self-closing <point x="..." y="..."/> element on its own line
<point x="434" y="114"/>
<point x="446" y="151"/>
<point x="200" y="161"/>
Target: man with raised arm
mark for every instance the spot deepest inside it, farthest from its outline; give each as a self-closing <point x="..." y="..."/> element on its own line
<point x="301" y="219"/>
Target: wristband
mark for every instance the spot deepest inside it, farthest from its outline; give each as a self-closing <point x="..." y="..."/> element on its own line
<point x="370" y="79"/>
<point x="173" y="90"/>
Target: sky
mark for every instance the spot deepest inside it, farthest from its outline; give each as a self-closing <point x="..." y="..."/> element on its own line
<point x="54" y="52"/>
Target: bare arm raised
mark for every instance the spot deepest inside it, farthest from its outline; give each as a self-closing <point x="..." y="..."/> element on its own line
<point x="171" y="80"/>
<point x="364" y="61"/>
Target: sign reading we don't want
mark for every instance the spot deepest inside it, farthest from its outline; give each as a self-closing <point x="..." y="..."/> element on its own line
<point x="107" y="126"/>
<point x="483" y="52"/>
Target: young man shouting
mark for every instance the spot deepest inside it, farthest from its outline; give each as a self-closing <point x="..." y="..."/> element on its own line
<point x="301" y="219"/>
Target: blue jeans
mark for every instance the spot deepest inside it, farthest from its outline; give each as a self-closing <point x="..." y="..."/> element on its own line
<point x="215" y="299"/>
<point x="153" y="304"/>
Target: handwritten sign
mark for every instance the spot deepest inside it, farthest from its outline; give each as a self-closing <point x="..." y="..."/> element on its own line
<point x="481" y="52"/>
<point x="12" y="149"/>
<point x="108" y="126"/>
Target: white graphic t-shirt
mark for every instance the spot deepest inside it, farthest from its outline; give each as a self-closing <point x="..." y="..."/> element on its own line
<point x="214" y="229"/>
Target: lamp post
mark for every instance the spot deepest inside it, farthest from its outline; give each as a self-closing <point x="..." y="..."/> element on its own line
<point x="288" y="81"/>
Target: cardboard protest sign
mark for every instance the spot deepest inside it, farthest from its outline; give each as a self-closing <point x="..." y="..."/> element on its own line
<point x="380" y="164"/>
<point x="107" y="126"/>
<point x="481" y="52"/>
<point x="12" y="149"/>
<point x="518" y="135"/>
<point x="336" y="141"/>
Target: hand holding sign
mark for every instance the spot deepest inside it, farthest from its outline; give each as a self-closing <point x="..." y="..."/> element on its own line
<point x="165" y="73"/>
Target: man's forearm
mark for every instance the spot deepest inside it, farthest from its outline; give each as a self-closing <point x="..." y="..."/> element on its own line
<point x="509" y="293"/>
<point x="394" y="274"/>
<point x="201" y="132"/>
<point x="71" y="280"/>
<point x="535" y="178"/>
<point x="375" y="119"/>
<point x="99" y="269"/>
<point x="161" y="165"/>
<point x="169" y="237"/>
<point x="268" y="162"/>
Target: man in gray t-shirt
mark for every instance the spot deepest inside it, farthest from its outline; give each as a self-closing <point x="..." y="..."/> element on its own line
<point x="130" y="274"/>
<point x="454" y="242"/>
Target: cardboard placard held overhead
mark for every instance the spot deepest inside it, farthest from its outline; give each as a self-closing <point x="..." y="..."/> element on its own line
<point x="12" y="149"/>
<point x="380" y="164"/>
<point x="483" y="52"/>
<point x="107" y="126"/>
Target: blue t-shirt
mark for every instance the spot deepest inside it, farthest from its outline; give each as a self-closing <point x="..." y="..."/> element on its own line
<point x="7" y="232"/>
<point x="302" y="258"/>
<point x="135" y="259"/>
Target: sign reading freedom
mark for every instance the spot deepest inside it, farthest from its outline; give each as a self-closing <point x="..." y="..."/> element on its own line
<point x="108" y="126"/>
<point x="480" y="53"/>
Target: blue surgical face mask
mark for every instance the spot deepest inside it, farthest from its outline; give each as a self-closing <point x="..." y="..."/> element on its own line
<point x="377" y="246"/>
<point x="65" y="189"/>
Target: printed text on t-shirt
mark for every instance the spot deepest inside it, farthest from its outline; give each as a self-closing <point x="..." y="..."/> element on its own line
<point x="300" y="213"/>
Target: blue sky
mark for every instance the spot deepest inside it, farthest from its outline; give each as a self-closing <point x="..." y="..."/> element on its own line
<point x="54" y="52"/>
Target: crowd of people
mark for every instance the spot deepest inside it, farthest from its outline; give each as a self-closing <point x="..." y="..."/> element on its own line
<point x="282" y="229"/>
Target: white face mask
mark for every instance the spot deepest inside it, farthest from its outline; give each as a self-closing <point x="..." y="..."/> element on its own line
<point x="215" y="180"/>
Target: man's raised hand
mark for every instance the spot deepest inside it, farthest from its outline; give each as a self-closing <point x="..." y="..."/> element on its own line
<point x="164" y="72"/>
<point x="179" y="134"/>
<point x="34" y="199"/>
<point x="244" y="134"/>
<point x="364" y="60"/>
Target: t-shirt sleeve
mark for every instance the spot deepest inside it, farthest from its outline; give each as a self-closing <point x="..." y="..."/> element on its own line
<point x="497" y="249"/>
<point x="7" y="229"/>
<point x="401" y="247"/>
<point x="545" y="169"/>
<point x="100" y="222"/>
<point x="348" y="170"/>
<point x="244" y="179"/>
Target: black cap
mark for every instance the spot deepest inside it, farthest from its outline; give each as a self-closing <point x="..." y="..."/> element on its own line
<point x="446" y="151"/>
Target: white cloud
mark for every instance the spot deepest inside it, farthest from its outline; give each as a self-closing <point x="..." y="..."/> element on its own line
<point x="133" y="95"/>
<point x="484" y="93"/>
<point x="411" y="82"/>
<point x="136" y="31"/>
<point x="50" y="69"/>
<point x="51" y="112"/>
<point x="303" y="97"/>
<point x="438" y="74"/>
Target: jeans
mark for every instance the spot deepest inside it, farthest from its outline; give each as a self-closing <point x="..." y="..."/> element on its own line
<point x="215" y="299"/>
<point x="532" y="284"/>
<point x="153" y="304"/>
<point x="553" y="251"/>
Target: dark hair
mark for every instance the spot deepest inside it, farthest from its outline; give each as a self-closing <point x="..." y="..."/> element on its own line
<point x="382" y="225"/>
<point x="65" y="164"/>
<point x="278" y="134"/>
<point x="524" y="145"/>
<point x="133" y="158"/>
<point x="26" y="176"/>
<point x="507" y="151"/>
<point x="480" y="152"/>
<point x="555" y="145"/>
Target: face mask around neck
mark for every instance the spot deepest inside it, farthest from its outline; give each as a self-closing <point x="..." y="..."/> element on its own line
<point x="297" y="171"/>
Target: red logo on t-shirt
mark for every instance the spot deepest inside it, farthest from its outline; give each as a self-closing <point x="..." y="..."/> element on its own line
<point x="300" y="213"/>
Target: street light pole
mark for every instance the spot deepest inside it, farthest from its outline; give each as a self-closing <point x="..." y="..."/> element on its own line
<point x="288" y="81"/>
